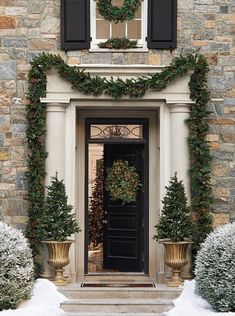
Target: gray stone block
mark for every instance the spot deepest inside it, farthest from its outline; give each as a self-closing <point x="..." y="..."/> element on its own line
<point x="36" y="6"/>
<point x="1" y="140"/>
<point x="8" y="70"/>
<point x="223" y="9"/>
<point x="21" y="181"/>
<point x="221" y="82"/>
<point x="15" y="207"/>
<point x="14" y="42"/>
<point x="220" y="47"/>
<point x="17" y="53"/>
<point x="223" y="155"/>
<point x="19" y="128"/>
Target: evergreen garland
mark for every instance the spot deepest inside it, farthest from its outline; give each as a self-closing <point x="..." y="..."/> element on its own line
<point x="118" y="43"/>
<point x="133" y="87"/>
<point x="118" y="14"/>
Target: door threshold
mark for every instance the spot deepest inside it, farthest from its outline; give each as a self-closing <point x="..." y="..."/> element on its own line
<point x="115" y="273"/>
<point x="117" y="277"/>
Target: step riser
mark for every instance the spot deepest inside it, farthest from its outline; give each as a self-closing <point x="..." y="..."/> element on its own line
<point x="116" y="308"/>
<point x="112" y="314"/>
<point x="119" y="295"/>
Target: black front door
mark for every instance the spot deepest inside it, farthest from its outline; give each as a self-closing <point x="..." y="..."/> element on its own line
<point x="124" y="229"/>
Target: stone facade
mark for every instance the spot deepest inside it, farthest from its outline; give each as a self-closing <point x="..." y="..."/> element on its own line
<point x="28" y="27"/>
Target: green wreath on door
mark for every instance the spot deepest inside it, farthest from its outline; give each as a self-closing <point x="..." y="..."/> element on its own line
<point x="122" y="182"/>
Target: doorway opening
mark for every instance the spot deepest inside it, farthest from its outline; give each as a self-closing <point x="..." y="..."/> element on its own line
<point x="116" y="234"/>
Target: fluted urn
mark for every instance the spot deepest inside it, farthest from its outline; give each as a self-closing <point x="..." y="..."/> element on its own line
<point x="58" y="258"/>
<point x="175" y="257"/>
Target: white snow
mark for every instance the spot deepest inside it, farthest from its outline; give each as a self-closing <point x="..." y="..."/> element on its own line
<point x="45" y="301"/>
<point x="190" y="304"/>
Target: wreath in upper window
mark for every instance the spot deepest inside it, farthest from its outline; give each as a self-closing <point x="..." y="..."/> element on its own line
<point x="122" y="182"/>
<point x="118" y="14"/>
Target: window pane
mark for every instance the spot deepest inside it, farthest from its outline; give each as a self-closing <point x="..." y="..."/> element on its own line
<point x="102" y="29"/>
<point x="98" y="15"/>
<point x="116" y="131"/>
<point x="117" y="3"/>
<point x="134" y="29"/>
<point x="138" y="13"/>
<point x="118" y="30"/>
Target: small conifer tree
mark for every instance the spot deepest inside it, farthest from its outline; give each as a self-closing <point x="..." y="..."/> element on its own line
<point x="96" y="212"/>
<point x="58" y="220"/>
<point x="175" y="223"/>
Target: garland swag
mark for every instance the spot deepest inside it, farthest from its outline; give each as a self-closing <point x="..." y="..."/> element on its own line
<point x="83" y="82"/>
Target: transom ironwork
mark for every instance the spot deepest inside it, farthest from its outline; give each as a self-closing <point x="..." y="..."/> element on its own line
<point x="116" y="131"/>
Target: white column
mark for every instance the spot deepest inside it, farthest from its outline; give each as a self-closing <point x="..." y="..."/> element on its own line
<point x="179" y="160"/>
<point x="55" y="140"/>
<point x="55" y="162"/>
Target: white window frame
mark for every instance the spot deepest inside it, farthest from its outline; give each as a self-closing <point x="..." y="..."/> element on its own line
<point x="141" y="43"/>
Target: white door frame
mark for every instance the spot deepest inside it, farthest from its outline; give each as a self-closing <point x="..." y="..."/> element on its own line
<point x="153" y="190"/>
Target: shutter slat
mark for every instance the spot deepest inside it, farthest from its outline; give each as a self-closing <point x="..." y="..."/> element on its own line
<point x="75" y="24"/>
<point x="162" y="24"/>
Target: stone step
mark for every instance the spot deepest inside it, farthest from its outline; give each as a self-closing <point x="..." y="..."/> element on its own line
<point x="114" y="314"/>
<point x="116" y="305"/>
<point x="121" y="293"/>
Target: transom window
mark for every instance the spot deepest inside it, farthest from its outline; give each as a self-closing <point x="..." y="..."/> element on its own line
<point x="102" y="30"/>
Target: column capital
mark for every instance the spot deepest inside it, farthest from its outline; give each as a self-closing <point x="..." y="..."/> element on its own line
<point x="56" y="106"/>
<point x="179" y="107"/>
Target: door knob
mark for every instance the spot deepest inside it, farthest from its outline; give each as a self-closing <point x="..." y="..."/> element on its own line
<point x="105" y="221"/>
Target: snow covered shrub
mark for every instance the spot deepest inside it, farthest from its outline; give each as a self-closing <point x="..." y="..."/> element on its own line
<point x="16" y="267"/>
<point x="215" y="269"/>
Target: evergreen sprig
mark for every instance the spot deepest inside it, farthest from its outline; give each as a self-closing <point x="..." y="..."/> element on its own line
<point x="83" y="82"/>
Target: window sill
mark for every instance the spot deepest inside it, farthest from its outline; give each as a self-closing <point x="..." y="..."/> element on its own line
<point x="108" y="50"/>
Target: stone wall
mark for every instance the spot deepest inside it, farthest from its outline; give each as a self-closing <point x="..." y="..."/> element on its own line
<point x="28" y="27"/>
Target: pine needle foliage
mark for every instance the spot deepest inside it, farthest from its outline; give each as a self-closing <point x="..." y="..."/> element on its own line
<point x="117" y="14"/>
<point x="58" y="221"/>
<point x="175" y="222"/>
<point x="118" y="43"/>
<point x="96" y="208"/>
<point x="84" y="82"/>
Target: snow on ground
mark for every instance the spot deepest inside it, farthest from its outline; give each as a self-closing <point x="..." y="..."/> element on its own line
<point x="190" y="304"/>
<point x="46" y="301"/>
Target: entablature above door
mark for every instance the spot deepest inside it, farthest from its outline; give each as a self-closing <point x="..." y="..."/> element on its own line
<point x="60" y="91"/>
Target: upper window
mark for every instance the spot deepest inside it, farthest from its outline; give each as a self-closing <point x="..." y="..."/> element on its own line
<point x="82" y="27"/>
<point x="135" y="29"/>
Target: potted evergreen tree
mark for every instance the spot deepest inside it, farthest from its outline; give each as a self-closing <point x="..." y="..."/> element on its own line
<point x="58" y="223"/>
<point x="175" y="228"/>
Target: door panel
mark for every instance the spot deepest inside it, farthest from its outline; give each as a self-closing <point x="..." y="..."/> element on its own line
<point x="124" y="224"/>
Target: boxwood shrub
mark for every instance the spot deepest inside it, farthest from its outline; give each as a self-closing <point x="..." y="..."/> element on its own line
<point x="215" y="269"/>
<point x="16" y="267"/>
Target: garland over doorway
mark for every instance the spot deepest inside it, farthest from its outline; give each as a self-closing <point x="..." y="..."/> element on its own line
<point x="84" y="82"/>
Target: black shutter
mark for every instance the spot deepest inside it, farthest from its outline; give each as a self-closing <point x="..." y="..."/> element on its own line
<point x="75" y="24"/>
<point x="162" y="23"/>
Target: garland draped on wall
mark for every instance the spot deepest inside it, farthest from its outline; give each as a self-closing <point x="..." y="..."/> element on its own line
<point x="82" y="81"/>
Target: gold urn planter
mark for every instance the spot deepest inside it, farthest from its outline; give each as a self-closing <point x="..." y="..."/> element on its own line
<point x="58" y="258"/>
<point x="175" y="257"/>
